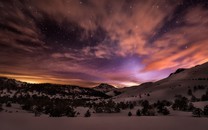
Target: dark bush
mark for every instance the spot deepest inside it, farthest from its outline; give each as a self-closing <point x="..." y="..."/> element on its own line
<point x="129" y="114"/>
<point x="1" y="109"/>
<point x="87" y="114"/>
<point x="181" y="103"/>
<point x="138" y="112"/>
<point x="148" y="111"/>
<point x="205" y="96"/>
<point x="131" y="106"/>
<point x="27" y="106"/>
<point x="194" y="99"/>
<point x="189" y="92"/>
<point x="165" y="111"/>
<point x="56" y="113"/>
<point x="8" y="104"/>
<point x="190" y="107"/>
<point x="206" y="111"/>
<point x="37" y="114"/>
<point x="197" y="112"/>
<point x="70" y="112"/>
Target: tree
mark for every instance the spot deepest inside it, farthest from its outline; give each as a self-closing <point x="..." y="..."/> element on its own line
<point x="8" y="104"/>
<point x="1" y="109"/>
<point x="165" y="111"/>
<point x="27" y="106"/>
<point x="194" y="99"/>
<point x="70" y="112"/>
<point x="147" y="109"/>
<point x="117" y="110"/>
<point x="207" y="92"/>
<point x="197" y="112"/>
<point x="195" y="88"/>
<point x="138" y="113"/>
<point x="181" y="103"/>
<point x="129" y="114"/>
<point x="190" y="107"/>
<point x="204" y="97"/>
<point x="131" y="105"/>
<point x="56" y="113"/>
<point x="145" y="104"/>
<point x="189" y="92"/>
<point x="206" y="110"/>
<point x="37" y="114"/>
<point x="87" y="114"/>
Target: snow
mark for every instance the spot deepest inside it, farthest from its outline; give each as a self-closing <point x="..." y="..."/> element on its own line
<point x="176" y="84"/>
<point x="22" y="120"/>
<point x="200" y="104"/>
<point x="27" y="121"/>
<point x="103" y="87"/>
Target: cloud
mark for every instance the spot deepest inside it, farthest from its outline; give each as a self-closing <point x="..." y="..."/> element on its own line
<point x="130" y="23"/>
<point x="17" y="30"/>
<point x="184" y="46"/>
<point x="98" y="40"/>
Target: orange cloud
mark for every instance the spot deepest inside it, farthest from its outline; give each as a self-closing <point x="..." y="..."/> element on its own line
<point x="182" y="47"/>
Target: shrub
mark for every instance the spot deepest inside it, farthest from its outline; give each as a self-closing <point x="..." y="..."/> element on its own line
<point x="181" y="103"/>
<point x="197" y="112"/>
<point x="129" y="114"/>
<point x="117" y="109"/>
<point x="189" y="92"/>
<point x="204" y="97"/>
<point x="131" y="105"/>
<point x="87" y="114"/>
<point x="194" y="99"/>
<point x="148" y="111"/>
<point x="55" y="113"/>
<point x="190" y="107"/>
<point x="145" y="103"/>
<point x="195" y="88"/>
<point x="165" y="111"/>
<point x="109" y="107"/>
<point x="70" y="112"/>
<point x="138" y="112"/>
<point x="206" y="110"/>
<point x="1" y="109"/>
<point x="8" y="104"/>
<point x="37" y="114"/>
<point x="27" y="106"/>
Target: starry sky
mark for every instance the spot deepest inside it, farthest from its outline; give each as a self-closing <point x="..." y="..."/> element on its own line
<point x="87" y="42"/>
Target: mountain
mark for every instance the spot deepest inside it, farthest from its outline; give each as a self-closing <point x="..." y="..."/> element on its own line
<point x="181" y="81"/>
<point x="178" y="83"/>
<point x="177" y="71"/>
<point x="13" y="88"/>
<point x="11" y="83"/>
<point x="103" y="87"/>
<point x="188" y="86"/>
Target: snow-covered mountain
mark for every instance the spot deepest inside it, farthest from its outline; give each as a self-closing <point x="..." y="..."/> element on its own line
<point x="184" y="86"/>
<point x="103" y="87"/>
<point x="178" y="83"/>
<point x="13" y="88"/>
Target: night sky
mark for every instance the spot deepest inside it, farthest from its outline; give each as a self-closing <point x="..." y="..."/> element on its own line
<point x="87" y="42"/>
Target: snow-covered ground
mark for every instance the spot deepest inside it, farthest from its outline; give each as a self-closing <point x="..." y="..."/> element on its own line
<point x="200" y="104"/>
<point x="16" y="119"/>
<point x="27" y="121"/>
